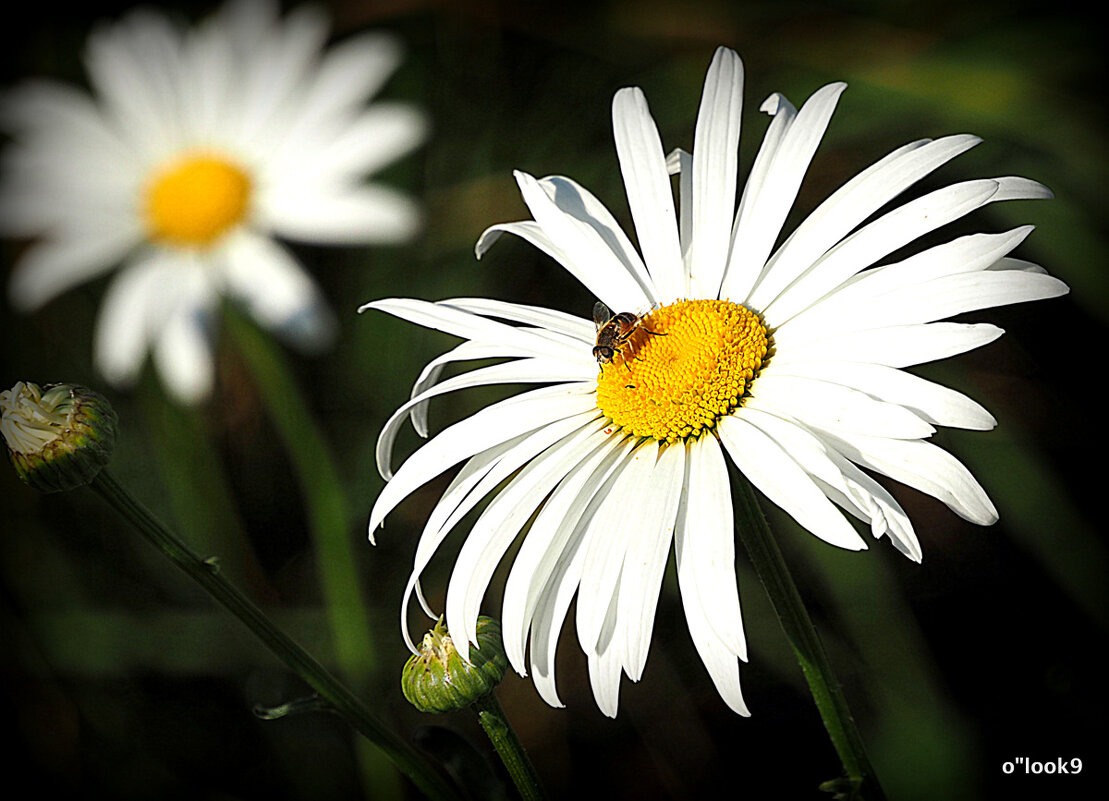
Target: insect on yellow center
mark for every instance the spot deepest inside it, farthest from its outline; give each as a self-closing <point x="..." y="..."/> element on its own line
<point x="192" y="202"/>
<point x="685" y="366"/>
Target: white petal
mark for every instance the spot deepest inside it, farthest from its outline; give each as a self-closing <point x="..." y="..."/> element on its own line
<point x="480" y="476"/>
<point x="350" y="73"/>
<point x="605" y="662"/>
<point x="609" y="535"/>
<point x="779" y="478"/>
<point x="490" y="426"/>
<point x="355" y="215"/>
<point x="878" y="239"/>
<point x="680" y="163"/>
<point x="431" y="372"/>
<point x="548" y="543"/>
<point x="529" y="371"/>
<point x="584" y="252"/>
<point x="894" y="346"/>
<point x="276" y="290"/>
<point x="498" y="526"/>
<point x="927" y="468"/>
<point x="643" y="166"/>
<point x="130" y="316"/>
<point x="704" y="544"/>
<point x="935" y="403"/>
<point x="135" y="66"/>
<point x="183" y="355"/>
<point x="860" y="302"/>
<point x="761" y="218"/>
<point x="850" y="205"/>
<point x="53" y="266"/>
<point x="567" y="324"/>
<point x="704" y="547"/>
<point x="645" y="560"/>
<point x="552" y="606"/>
<point x="579" y="203"/>
<point x="834" y="407"/>
<point x="455" y="321"/>
<point x="840" y="480"/>
<point x="715" y="169"/>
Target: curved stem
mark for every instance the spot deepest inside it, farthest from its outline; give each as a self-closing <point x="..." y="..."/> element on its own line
<point x="508" y="747"/>
<point x="771" y="567"/>
<point x="205" y="572"/>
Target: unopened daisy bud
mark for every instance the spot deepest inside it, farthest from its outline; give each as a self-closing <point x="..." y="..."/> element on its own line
<point x="59" y="437"/>
<point x="438" y="679"/>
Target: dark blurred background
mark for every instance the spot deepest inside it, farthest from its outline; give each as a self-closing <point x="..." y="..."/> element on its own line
<point x="121" y="680"/>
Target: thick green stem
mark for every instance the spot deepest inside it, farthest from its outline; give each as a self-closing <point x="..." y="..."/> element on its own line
<point x="205" y="572"/>
<point x="771" y="567"/>
<point x="508" y="747"/>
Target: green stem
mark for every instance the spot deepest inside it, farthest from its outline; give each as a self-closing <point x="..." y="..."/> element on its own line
<point x="508" y="747"/>
<point x="771" y="567"/>
<point x="328" y="513"/>
<point x="205" y="572"/>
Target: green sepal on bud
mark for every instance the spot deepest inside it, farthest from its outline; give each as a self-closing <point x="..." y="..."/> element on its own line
<point x="438" y="679"/>
<point x="59" y="438"/>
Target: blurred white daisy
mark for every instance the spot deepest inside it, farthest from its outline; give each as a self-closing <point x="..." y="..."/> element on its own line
<point x="197" y="148"/>
<point x="788" y="360"/>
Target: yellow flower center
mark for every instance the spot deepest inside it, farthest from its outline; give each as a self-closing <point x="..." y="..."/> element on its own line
<point x="193" y="201"/>
<point x="685" y="366"/>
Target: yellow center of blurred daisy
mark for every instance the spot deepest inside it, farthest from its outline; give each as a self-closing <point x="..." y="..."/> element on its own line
<point x="685" y="366"/>
<point x="194" y="201"/>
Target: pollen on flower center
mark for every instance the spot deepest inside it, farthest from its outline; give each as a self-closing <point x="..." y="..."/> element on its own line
<point x="686" y="365"/>
<point x="193" y="201"/>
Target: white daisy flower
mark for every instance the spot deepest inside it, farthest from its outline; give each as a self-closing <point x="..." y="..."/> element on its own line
<point x="788" y="360"/>
<point x="195" y="151"/>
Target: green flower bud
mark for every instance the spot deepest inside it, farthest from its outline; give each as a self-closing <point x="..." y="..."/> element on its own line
<point x="58" y="438"/>
<point x="438" y="679"/>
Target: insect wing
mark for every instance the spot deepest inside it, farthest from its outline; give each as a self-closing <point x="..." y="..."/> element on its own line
<point x="601" y="315"/>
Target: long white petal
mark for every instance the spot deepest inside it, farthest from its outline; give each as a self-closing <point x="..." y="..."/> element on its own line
<point x="525" y="371"/>
<point x="850" y="205"/>
<point x="568" y="325"/>
<point x="835" y="406"/>
<point x="861" y="299"/>
<point x="183" y="355"/>
<point x="933" y="402"/>
<point x="704" y="548"/>
<point x="645" y="560"/>
<point x="367" y="213"/>
<point x="876" y="240"/>
<point x="488" y="427"/>
<point x="840" y="480"/>
<point x="52" y="266"/>
<point x="604" y="660"/>
<point x="894" y="346"/>
<point x="715" y="170"/>
<point x="553" y="604"/>
<point x="130" y="317"/>
<point x="429" y="376"/>
<point x="480" y="476"/>
<point x="498" y="526"/>
<point x="460" y="323"/>
<point x="610" y="533"/>
<point x="544" y="547"/>
<point x="927" y="468"/>
<point x="891" y="231"/>
<point x="704" y="545"/>
<point x="585" y="253"/>
<point x="761" y="220"/>
<point x="574" y="199"/>
<point x="270" y="282"/>
<point x="774" y="473"/>
<point x="650" y="197"/>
